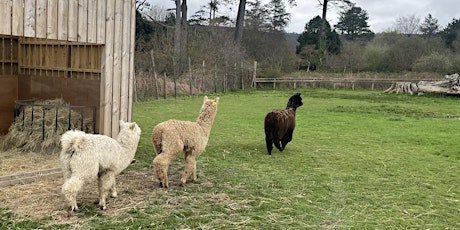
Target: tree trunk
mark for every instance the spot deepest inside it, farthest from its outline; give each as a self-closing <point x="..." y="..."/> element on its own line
<point x="180" y="37"/>
<point x="450" y="85"/>
<point x="322" y="37"/>
<point x="184" y="37"/>
<point x="239" y="23"/>
<point x="177" y="35"/>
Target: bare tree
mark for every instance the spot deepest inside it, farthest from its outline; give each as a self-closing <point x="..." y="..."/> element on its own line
<point x="408" y="25"/>
<point x="156" y="13"/>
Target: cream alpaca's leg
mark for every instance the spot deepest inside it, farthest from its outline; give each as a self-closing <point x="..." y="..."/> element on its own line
<point x="106" y="182"/>
<point x="190" y="168"/>
<point x="160" y="165"/>
<point x="70" y="190"/>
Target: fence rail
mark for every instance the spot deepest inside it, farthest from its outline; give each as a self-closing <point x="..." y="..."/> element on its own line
<point x="353" y="83"/>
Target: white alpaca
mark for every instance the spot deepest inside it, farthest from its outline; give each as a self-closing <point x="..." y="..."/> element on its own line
<point x="174" y="136"/>
<point x="85" y="157"/>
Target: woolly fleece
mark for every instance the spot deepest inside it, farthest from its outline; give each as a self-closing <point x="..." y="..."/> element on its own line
<point x="172" y="137"/>
<point x="87" y="157"/>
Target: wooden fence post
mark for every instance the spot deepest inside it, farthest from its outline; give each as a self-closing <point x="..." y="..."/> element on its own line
<point x="242" y="78"/>
<point x="215" y="78"/>
<point x="175" y="77"/>
<point x="234" y="76"/>
<point x="164" y="86"/>
<point x="154" y="75"/>
<point x="225" y="83"/>
<point x="190" y="75"/>
<point x="202" y="89"/>
<point x="254" y="74"/>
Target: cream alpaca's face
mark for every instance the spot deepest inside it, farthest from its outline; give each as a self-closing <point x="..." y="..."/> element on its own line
<point x="212" y="102"/>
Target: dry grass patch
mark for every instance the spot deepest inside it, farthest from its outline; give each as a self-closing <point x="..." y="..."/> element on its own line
<point x="15" y="162"/>
<point x="41" y="199"/>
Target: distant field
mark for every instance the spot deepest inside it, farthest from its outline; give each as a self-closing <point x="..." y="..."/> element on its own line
<point x="358" y="159"/>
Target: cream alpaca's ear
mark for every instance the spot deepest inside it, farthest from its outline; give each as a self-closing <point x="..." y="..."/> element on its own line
<point x="205" y="98"/>
<point x="214" y="102"/>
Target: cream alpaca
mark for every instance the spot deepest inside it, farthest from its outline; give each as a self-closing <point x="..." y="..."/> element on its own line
<point x="85" y="157"/>
<point x="173" y="137"/>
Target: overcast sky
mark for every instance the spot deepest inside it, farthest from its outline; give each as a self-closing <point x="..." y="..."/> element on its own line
<point x="382" y="13"/>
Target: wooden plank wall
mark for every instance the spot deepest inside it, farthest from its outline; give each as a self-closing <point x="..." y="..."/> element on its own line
<point x="54" y="58"/>
<point x="110" y="23"/>
<point x="8" y="80"/>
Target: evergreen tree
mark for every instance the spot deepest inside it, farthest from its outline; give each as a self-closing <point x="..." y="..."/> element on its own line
<point x="353" y="24"/>
<point x="429" y="27"/>
<point x="449" y="34"/>
<point x="312" y="35"/>
<point x="257" y="16"/>
<point x="278" y="16"/>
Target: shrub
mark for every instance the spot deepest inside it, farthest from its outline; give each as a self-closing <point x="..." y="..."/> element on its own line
<point x="434" y="62"/>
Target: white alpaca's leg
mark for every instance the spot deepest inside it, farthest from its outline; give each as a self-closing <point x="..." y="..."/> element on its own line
<point x="70" y="189"/>
<point x="113" y="190"/>
<point x="106" y="181"/>
<point x="190" y="168"/>
<point x="160" y="165"/>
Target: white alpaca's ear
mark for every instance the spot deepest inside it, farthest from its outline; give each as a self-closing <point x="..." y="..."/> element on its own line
<point x="205" y="98"/>
<point x="122" y="123"/>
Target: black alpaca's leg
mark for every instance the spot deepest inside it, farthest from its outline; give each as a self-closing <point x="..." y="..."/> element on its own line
<point x="269" y="142"/>
<point x="277" y="144"/>
<point x="287" y="138"/>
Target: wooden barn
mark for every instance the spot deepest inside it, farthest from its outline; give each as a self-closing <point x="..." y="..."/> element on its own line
<point x="79" y="50"/>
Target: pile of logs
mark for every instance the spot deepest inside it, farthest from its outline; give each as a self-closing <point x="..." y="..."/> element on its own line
<point x="449" y="85"/>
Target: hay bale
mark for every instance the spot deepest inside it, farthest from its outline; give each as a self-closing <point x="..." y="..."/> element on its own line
<point x="40" y="124"/>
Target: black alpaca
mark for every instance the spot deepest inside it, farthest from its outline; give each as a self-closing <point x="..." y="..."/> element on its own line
<point x="279" y="124"/>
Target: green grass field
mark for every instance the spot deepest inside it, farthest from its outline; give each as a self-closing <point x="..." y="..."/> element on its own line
<point x="358" y="159"/>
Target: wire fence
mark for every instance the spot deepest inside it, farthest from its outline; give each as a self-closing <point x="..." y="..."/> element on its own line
<point x="204" y="80"/>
